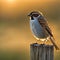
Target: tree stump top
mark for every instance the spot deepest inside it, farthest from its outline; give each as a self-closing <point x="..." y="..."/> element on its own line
<point x="41" y="51"/>
<point x="39" y="45"/>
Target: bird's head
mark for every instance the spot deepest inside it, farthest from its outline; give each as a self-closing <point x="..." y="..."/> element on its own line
<point x="35" y="14"/>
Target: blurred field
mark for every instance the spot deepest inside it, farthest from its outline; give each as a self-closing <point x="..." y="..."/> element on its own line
<point x="15" y="34"/>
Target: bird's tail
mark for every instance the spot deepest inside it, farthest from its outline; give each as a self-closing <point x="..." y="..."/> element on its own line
<point x="52" y="40"/>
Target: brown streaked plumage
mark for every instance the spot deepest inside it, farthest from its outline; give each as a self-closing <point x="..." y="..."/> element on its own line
<point x="45" y="26"/>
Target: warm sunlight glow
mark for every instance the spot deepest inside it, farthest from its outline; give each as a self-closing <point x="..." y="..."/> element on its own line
<point x="10" y="1"/>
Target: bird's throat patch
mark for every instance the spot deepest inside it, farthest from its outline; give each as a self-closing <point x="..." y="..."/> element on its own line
<point x="32" y="18"/>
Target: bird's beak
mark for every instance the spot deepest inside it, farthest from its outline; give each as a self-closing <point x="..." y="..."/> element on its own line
<point x="29" y="14"/>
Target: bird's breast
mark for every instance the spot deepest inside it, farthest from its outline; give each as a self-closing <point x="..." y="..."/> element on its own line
<point x="37" y="29"/>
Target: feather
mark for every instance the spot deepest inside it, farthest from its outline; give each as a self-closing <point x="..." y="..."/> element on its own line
<point x="45" y="26"/>
<point x="52" y="40"/>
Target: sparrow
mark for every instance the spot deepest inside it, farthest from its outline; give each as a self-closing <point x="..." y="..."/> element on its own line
<point x="40" y="28"/>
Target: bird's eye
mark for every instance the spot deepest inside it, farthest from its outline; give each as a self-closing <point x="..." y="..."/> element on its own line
<point x="35" y="15"/>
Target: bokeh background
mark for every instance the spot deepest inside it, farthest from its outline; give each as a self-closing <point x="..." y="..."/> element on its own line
<point x="15" y="34"/>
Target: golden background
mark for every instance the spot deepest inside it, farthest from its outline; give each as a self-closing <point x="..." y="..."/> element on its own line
<point x="15" y="34"/>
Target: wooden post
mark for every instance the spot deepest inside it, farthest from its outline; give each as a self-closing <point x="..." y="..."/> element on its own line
<point x="41" y="52"/>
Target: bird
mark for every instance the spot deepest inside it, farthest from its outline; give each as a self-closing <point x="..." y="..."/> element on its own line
<point x="40" y="28"/>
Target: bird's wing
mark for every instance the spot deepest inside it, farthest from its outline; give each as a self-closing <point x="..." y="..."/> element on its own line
<point x="45" y="26"/>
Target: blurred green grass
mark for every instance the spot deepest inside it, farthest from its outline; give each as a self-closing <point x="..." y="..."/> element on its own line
<point x="6" y="55"/>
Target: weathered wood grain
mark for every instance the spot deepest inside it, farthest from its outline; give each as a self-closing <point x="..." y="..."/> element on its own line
<point x="41" y="52"/>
